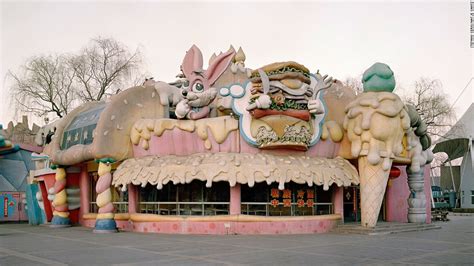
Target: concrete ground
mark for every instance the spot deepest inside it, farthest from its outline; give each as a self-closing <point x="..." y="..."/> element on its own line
<point x="21" y="244"/>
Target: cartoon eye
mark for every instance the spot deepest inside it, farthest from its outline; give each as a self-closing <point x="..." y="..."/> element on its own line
<point x="186" y="83"/>
<point x="198" y="87"/>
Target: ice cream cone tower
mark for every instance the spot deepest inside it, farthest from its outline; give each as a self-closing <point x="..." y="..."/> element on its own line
<point x="376" y="122"/>
<point x="373" y="182"/>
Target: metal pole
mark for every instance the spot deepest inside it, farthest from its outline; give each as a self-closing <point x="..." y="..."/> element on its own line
<point x="431" y="189"/>
<point x="452" y="176"/>
<point x="462" y="172"/>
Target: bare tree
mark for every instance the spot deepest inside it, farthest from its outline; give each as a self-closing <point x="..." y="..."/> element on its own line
<point x="354" y="83"/>
<point x="104" y="66"/>
<point x="44" y="85"/>
<point x="432" y="105"/>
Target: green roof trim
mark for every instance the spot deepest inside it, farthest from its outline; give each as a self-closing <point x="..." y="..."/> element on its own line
<point x="378" y="77"/>
<point x="454" y="148"/>
<point x="105" y="160"/>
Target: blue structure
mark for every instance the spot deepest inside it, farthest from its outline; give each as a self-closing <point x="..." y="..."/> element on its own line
<point x="15" y="166"/>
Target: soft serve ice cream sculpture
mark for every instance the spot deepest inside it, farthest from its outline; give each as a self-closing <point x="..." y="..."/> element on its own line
<point x="376" y="122"/>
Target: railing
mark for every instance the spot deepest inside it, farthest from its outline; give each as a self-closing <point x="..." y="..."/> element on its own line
<point x="266" y="209"/>
<point x="120" y="207"/>
<point x="185" y="208"/>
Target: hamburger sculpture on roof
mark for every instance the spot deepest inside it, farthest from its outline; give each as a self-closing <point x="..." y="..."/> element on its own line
<point x="281" y="106"/>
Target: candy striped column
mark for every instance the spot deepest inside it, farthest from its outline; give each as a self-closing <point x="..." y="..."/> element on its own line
<point x="61" y="211"/>
<point x="105" y="222"/>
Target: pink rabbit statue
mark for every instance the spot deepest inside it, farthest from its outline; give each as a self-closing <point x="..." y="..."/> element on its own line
<point x="200" y="93"/>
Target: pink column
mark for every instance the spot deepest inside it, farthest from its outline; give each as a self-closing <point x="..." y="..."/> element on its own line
<point x="338" y="200"/>
<point x="235" y="199"/>
<point x="427" y="188"/>
<point x="84" y="184"/>
<point x="132" y="198"/>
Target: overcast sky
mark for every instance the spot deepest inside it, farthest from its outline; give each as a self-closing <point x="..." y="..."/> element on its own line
<point x="342" y="39"/>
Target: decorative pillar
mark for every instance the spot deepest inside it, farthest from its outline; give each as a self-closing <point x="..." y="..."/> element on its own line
<point x="84" y="186"/>
<point x="61" y="211"/>
<point x="338" y="200"/>
<point x="132" y="198"/>
<point x="234" y="208"/>
<point x="105" y="222"/>
<point x="417" y="199"/>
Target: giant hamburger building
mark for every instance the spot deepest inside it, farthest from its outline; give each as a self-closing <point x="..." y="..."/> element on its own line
<point x="232" y="150"/>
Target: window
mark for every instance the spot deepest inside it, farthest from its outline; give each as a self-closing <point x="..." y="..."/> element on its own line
<point x="294" y="200"/>
<point x="472" y="196"/>
<point x="187" y="199"/>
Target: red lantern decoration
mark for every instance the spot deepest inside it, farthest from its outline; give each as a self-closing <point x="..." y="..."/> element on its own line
<point x="300" y="193"/>
<point x="310" y="194"/>
<point x="287" y="194"/>
<point x="275" y="203"/>
<point x="394" y="172"/>
<point x="300" y="203"/>
<point x="310" y="202"/>
<point x="287" y="203"/>
<point x="275" y="193"/>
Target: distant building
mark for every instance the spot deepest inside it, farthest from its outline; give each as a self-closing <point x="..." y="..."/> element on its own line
<point x="458" y="144"/>
<point x="15" y="166"/>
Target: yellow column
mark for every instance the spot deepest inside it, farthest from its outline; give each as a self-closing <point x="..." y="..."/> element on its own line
<point x="61" y="211"/>
<point x="105" y="222"/>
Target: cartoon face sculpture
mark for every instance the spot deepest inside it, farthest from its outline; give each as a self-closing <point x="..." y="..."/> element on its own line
<point x="200" y="93"/>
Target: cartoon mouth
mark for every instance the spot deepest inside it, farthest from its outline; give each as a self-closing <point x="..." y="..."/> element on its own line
<point x="300" y="114"/>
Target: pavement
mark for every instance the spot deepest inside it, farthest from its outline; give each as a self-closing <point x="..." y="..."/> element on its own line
<point x="21" y="244"/>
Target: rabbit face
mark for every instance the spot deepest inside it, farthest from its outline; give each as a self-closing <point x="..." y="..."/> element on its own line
<point x="200" y="91"/>
<point x="198" y="97"/>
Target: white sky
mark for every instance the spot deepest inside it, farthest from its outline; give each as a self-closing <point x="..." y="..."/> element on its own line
<point x="342" y="39"/>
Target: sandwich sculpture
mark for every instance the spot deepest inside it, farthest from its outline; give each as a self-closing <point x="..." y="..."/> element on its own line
<point x="280" y="106"/>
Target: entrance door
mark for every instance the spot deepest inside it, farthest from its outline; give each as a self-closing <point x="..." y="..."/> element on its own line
<point x="352" y="204"/>
<point x="12" y="208"/>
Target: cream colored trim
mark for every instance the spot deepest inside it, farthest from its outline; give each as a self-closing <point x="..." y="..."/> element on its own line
<point x="89" y="216"/>
<point x="235" y="168"/>
<point x="117" y="216"/>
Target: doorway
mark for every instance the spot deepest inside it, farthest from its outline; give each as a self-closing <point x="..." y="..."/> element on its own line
<point x="13" y="208"/>
<point x="352" y="213"/>
<point x="351" y="204"/>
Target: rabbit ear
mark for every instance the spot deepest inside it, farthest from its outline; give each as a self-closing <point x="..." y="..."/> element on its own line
<point x="218" y="66"/>
<point x="192" y="61"/>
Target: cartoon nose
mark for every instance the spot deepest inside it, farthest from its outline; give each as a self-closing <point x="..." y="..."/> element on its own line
<point x="184" y="93"/>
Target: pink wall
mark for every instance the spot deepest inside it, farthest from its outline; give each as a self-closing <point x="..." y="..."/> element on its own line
<point x="338" y="200"/>
<point x="244" y="228"/>
<point x="180" y="142"/>
<point x="133" y="198"/>
<point x="428" y="193"/>
<point x="84" y="187"/>
<point x="397" y="195"/>
<point x="235" y="205"/>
